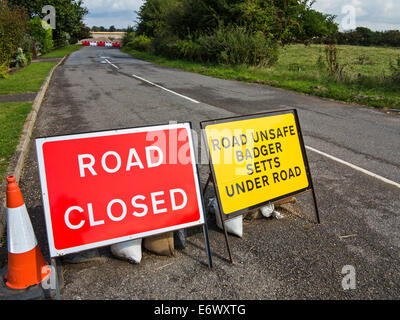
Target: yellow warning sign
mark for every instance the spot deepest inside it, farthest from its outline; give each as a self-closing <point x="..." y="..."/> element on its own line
<point x="256" y="159"/>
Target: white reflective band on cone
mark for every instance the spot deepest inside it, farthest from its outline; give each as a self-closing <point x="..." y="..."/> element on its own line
<point x="20" y="235"/>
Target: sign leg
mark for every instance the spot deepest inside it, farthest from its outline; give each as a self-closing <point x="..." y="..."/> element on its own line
<point x="207" y="243"/>
<point x="205" y="227"/>
<point x="207" y="183"/>
<point x="210" y="179"/>
<point x="316" y="206"/>
<point x="54" y="265"/>
<point x="226" y="237"/>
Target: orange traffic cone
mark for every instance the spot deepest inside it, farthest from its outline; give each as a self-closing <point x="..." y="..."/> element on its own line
<point x="26" y="265"/>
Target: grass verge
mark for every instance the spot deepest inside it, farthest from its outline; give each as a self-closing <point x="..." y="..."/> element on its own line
<point x="63" y="51"/>
<point x="28" y="79"/>
<point x="12" y="119"/>
<point x="13" y="115"/>
<point x="366" y="68"/>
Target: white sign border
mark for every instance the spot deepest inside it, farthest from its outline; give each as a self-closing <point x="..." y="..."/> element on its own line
<point x="54" y="252"/>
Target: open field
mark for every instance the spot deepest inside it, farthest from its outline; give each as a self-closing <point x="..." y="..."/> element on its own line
<point x="365" y="77"/>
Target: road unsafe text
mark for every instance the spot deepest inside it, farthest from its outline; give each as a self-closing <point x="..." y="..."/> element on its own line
<point x="255" y="160"/>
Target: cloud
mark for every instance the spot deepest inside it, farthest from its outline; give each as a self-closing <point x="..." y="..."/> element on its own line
<point x="376" y="15"/>
<point x="119" y="13"/>
<point x="113" y="5"/>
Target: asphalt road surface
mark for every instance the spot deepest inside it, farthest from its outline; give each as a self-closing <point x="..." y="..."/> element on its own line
<point x="354" y="155"/>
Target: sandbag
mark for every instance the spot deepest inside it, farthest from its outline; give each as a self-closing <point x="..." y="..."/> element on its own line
<point x="233" y="226"/>
<point x="129" y="250"/>
<point x="277" y="215"/>
<point x="161" y="244"/>
<point x="267" y="210"/>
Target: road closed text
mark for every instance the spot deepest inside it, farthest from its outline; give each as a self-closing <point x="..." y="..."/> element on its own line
<point x="104" y="187"/>
<point x="88" y="161"/>
<point x="117" y="209"/>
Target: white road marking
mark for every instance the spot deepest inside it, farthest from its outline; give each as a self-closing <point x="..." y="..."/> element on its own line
<point x="354" y="167"/>
<point x="369" y="173"/>
<point x="163" y="88"/>
<point x="111" y="63"/>
<point x="156" y="85"/>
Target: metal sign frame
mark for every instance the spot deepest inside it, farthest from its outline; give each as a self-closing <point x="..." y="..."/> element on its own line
<point x="212" y="176"/>
<point x="54" y="252"/>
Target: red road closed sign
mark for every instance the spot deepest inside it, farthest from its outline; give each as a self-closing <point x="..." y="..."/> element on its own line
<point x="107" y="187"/>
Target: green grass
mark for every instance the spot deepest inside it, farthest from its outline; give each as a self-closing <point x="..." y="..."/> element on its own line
<point x="61" y="52"/>
<point x="12" y="119"/>
<point x="13" y="115"/>
<point x="28" y="79"/>
<point x="365" y="69"/>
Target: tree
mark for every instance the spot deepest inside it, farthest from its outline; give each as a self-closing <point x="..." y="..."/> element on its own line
<point x="314" y="24"/>
<point x="84" y="32"/>
<point x="69" y="15"/>
<point x="365" y="36"/>
<point x="188" y="17"/>
<point x="191" y="28"/>
<point x="13" y="24"/>
<point x="391" y="38"/>
<point x="283" y="20"/>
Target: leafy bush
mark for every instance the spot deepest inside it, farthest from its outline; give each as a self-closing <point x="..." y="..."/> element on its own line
<point x="26" y="44"/>
<point x="83" y="33"/>
<point x="20" y="59"/>
<point x="12" y="28"/>
<point x="4" y="70"/>
<point x="63" y="39"/>
<point x="42" y="34"/>
<point x="236" y="45"/>
<point x="165" y="45"/>
<point x="140" y="43"/>
<point x="128" y="37"/>
<point x="130" y="34"/>
<point x="188" y="49"/>
<point x="226" y="45"/>
<point x="395" y="71"/>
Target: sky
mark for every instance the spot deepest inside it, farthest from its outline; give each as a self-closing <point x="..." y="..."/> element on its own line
<point x="120" y="13"/>
<point x="373" y="14"/>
